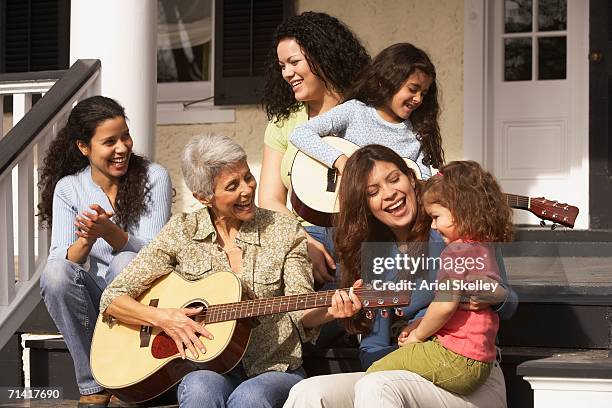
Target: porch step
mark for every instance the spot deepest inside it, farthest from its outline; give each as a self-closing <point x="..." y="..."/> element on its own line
<point x="11" y="374"/>
<point x="39" y="321"/>
<point x="52" y="366"/>
<point x="571" y="378"/>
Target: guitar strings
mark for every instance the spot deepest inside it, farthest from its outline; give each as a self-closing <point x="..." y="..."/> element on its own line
<point x="236" y="310"/>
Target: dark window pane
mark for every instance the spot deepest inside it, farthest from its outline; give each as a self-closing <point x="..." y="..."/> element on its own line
<point x="517" y="59"/>
<point x="552" y="58"/>
<point x="518" y="16"/>
<point x="552" y="15"/>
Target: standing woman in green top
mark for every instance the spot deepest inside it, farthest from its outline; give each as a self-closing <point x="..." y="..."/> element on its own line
<point x="314" y="62"/>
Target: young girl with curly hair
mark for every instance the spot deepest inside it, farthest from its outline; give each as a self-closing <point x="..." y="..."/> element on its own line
<point x="452" y="347"/>
<point x="313" y="62"/>
<point x="103" y="203"/>
<point x="395" y="104"/>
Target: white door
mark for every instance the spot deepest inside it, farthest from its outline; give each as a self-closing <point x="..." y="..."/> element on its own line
<point x="538" y="93"/>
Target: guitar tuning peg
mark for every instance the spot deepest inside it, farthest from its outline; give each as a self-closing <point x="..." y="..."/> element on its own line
<point x="384" y="313"/>
<point x="553" y="226"/>
<point x="542" y="223"/>
<point x="399" y="311"/>
<point x="369" y="314"/>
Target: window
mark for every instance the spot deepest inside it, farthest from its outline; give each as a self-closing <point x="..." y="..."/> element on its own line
<point x="34" y="35"/>
<point x="243" y="35"/>
<point x="206" y="42"/>
<point x="535" y="39"/>
<point x="184" y="50"/>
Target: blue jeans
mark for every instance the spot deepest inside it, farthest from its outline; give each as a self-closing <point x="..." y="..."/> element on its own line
<point x="72" y="297"/>
<point x="204" y="388"/>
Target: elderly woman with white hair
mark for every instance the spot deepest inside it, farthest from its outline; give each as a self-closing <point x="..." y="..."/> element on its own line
<point x="265" y="249"/>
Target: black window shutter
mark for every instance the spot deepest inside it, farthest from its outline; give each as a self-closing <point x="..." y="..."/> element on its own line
<point x="243" y="35"/>
<point x="35" y="35"/>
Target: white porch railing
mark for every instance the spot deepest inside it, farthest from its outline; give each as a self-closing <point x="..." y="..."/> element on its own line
<point x="24" y="245"/>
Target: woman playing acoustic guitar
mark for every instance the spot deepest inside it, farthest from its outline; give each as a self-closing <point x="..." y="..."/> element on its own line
<point x="265" y="249"/>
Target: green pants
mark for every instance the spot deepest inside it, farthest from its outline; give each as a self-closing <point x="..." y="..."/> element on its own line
<point x="444" y="368"/>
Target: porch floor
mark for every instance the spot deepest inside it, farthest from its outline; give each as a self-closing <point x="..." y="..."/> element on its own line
<point x="61" y="404"/>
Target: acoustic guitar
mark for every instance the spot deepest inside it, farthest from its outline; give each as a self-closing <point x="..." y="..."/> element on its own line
<point x="314" y="191"/>
<point x="137" y="363"/>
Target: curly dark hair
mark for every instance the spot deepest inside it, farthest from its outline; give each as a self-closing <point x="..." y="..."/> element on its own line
<point x="332" y="51"/>
<point x="475" y="200"/>
<point x="64" y="158"/>
<point x="389" y="70"/>
<point x="355" y="223"/>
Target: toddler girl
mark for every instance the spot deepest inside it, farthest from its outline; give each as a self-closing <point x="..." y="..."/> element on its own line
<point x="452" y="347"/>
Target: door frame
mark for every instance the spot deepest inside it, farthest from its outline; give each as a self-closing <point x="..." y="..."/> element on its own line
<point x="477" y="91"/>
<point x="600" y="129"/>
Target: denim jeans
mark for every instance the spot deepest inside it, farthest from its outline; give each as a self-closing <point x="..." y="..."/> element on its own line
<point x="72" y="296"/>
<point x="204" y="388"/>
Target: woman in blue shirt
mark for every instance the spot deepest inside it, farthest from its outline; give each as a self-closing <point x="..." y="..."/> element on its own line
<point x="380" y="201"/>
<point x="103" y="203"/>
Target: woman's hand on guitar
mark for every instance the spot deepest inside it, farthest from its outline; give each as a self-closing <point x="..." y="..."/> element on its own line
<point x="345" y="304"/>
<point x="321" y="261"/>
<point x="340" y="163"/>
<point x="183" y="330"/>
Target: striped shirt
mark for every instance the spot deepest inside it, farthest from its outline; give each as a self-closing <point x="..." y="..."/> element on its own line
<point x="74" y="194"/>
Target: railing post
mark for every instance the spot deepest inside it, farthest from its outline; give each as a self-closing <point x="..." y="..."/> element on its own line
<point x="7" y="254"/>
<point x="22" y="103"/>
<point x="43" y="233"/>
<point x="25" y="193"/>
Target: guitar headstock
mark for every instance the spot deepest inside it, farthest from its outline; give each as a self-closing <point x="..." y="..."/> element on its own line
<point x="559" y="213"/>
<point x="373" y="299"/>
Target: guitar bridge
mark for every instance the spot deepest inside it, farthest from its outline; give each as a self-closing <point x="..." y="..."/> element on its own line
<point x="332" y="180"/>
<point x="145" y="331"/>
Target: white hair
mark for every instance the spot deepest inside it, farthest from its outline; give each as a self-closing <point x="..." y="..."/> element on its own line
<point x="205" y="157"/>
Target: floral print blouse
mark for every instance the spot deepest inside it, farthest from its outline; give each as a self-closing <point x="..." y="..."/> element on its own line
<point x="275" y="263"/>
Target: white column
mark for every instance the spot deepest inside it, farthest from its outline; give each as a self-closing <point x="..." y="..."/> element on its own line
<point x="123" y="35"/>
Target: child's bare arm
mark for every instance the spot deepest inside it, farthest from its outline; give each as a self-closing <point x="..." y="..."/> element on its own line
<point x="438" y="313"/>
<point x="402" y="338"/>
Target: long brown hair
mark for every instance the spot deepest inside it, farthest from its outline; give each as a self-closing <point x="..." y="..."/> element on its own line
<point x="64" y="158"/>
<point x="388" y="72"/>
<point x="475" y="200"/>
<point x="356" y="224"/>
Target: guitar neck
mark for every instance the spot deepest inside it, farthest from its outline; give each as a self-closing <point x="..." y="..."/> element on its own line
<point x="269" y="306"/>
<point x="517" y="201"/>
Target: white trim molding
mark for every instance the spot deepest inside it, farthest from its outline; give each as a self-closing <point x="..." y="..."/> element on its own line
<point x="555" y="392"/>
<point x="474" y="80"/>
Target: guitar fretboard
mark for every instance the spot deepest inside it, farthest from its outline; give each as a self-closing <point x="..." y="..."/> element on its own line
<point x="263" y="307"/>
<point x="281" y="304"/>
<point x="517" y="201"/>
